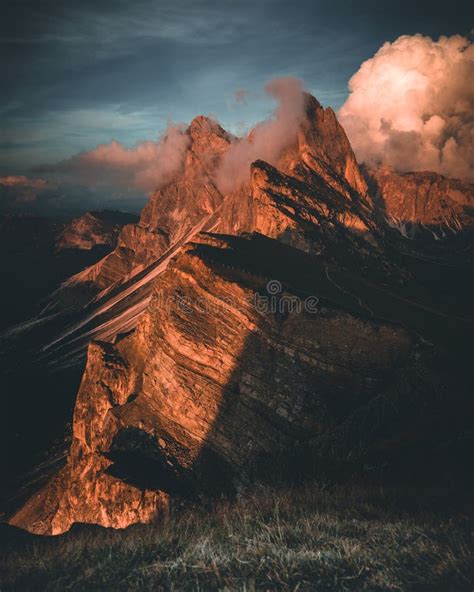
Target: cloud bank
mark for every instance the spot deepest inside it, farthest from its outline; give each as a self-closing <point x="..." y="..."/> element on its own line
<point x="145" y="167"/>
<point x="45" y="197"/>
<point x="411" y="106"/>
<point x="267" y="139"/>
<point x="112" y="175"/>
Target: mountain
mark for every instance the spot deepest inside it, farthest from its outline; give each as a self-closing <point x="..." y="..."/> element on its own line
<point x="169" y="214"/>
<point x="283" y="326"/>
<point x="175" y="211"/>
<point x="93" y="229"/>
<point x="39" y="253"/>
<point x="423" y="199"/>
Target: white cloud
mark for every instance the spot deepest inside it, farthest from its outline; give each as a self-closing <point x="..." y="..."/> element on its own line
<point x="411" y="106"/>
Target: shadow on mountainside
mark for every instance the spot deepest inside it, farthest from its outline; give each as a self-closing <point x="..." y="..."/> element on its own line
<point x="402" y="420"/>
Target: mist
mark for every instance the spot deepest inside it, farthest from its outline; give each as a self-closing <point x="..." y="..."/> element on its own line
<point x="147" y="166"/>
<point x="268" y="139"/>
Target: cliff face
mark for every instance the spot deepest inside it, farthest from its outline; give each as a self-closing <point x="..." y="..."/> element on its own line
<point x="239" y="327"/>
<point x="83" y="491"/>
<point x="209" y="382"/>
<point x="305" y="214"/>
<point x="315" y="192"/>
<point x="93" y="229"/>
<point x="424" y="198"/>
<point x="324" y="147"/>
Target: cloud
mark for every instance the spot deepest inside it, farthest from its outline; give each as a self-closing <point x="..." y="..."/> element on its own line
<point x="109" y="176"/>
<point x="18" y="192"/>
<point x="241" y="96"/>
<point x="268" y="139"/>
<point x="25" y="182"/>
<point x="145" y="167"/>
<point x="411" y="106"/>
<point x="37" y="196"/>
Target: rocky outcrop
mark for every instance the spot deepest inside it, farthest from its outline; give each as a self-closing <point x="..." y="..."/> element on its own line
<point x="93" y="229"/>
<point x="136" y="247"/>
<point x="316" y="190"/>
<point x="212" y="379"/>
<point x="83" y="491"/>
<point x="302" y="214"/>
<point x="325" y="148"/>
<point x="423" y="198"/>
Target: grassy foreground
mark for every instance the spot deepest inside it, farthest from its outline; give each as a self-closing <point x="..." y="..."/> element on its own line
<point x="308" y="537"/>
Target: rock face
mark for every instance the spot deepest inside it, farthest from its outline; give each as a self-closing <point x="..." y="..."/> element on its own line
<point x="92" y="495"/>
<point x="273" y="318"/>
<point x="170" y="212"/>
<point x="325" y="148"/>
<point x="424" y="198"/>
<point x="208" y="383"/>
<point x="93" y="229"/>
<point x="321" y="156"/>
<point x="316" y="188"/>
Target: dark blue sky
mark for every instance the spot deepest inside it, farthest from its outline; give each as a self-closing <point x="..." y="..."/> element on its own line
<point x="76" y="74"/>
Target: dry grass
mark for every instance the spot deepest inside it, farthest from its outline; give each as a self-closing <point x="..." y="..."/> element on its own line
<point x="309" y="537"/>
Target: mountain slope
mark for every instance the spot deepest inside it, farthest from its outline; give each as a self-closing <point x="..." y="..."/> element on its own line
<point x="233" y="328"/>
<point x="424" y="199"/>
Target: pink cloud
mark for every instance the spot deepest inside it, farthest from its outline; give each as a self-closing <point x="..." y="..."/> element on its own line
<point x="147" y="166"/>
<point x="241" y="96"/>
<point x="411" y="106"/>
<point x="268" y="139"/>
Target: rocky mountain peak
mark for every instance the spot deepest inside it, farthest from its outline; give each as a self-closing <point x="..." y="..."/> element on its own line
<point x="202" y="124"/>
<point x="323" y="141"/>
<point x="312" y="105"/>
<point x="207" y="135"/>
<point x="94" y="229"/>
